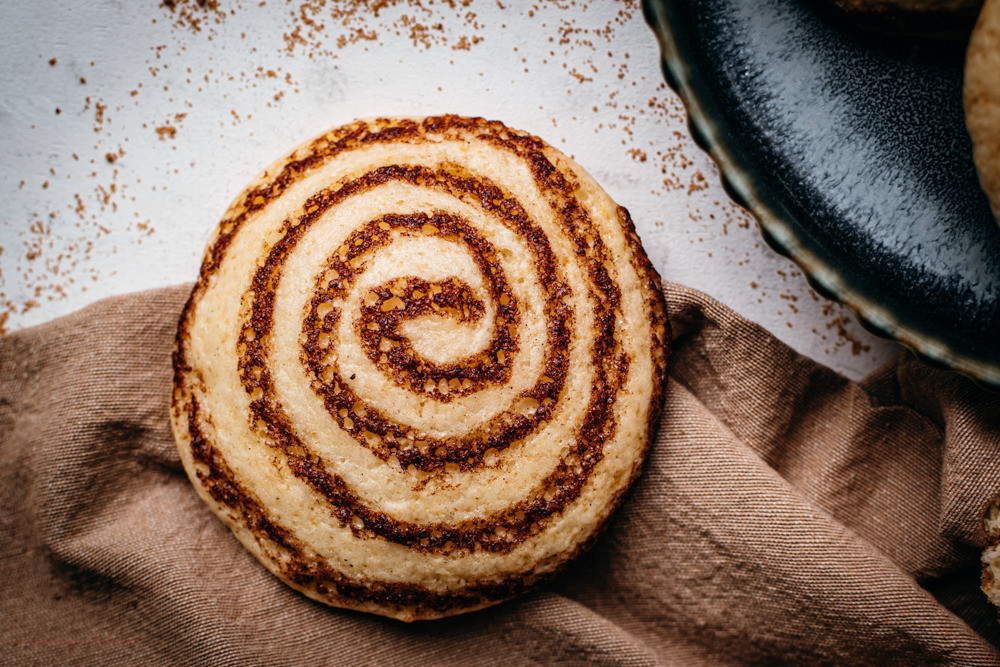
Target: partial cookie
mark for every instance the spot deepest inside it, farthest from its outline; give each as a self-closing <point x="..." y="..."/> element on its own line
<point x="421" y="365"/>
<point x="982" y="100"/>
<point x="991" y="554"/>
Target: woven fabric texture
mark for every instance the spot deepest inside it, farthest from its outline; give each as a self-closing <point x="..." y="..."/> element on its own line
<point x="785" y="514"/>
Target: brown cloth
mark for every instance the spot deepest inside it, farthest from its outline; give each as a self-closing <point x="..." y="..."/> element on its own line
<point x="785" y="515"/>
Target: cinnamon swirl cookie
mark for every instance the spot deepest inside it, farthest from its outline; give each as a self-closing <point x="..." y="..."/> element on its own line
<point x="421" y="364"/>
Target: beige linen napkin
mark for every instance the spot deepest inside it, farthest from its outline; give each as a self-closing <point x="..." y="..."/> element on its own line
<point x="785" y="515"/>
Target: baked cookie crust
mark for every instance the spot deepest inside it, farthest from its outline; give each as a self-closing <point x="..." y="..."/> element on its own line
<point x="423" y="361"/>
<point x="982" y="100"/>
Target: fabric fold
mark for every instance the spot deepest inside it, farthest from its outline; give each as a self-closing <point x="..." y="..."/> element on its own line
<point x="785" y="514"/>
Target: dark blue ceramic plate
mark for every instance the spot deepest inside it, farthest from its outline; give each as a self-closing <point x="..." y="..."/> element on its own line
<point x="851" y="151"/>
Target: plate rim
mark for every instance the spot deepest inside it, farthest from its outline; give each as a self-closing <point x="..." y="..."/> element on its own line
<point x="779" y="234"/>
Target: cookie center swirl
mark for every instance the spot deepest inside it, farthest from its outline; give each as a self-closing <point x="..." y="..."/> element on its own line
<point x="392" y="304"/>
<point x="387" y="307"/>
<point x="384" y="309"/>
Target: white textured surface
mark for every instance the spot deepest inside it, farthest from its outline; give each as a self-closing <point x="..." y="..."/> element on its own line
<point x="193" y="114"/>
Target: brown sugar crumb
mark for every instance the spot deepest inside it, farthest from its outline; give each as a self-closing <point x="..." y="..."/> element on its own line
<point x="845" y="337"/>
<point x="100" y="108"/>
<point x="465" y="43"/>
<point x="838" y="324"/>
<point x="166" y="132"/>
<point x="697" y="182"/>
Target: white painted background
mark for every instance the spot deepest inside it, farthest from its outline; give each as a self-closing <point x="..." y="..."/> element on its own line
<point x="240" y="91"/>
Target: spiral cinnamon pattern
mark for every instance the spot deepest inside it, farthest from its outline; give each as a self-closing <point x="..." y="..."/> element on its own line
<point x="421" y="363"/>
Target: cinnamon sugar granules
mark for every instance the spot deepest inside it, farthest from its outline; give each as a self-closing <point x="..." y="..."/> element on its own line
<point x="596" y="61"/>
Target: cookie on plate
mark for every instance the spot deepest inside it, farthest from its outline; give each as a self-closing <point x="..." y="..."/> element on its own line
<point x="421" y="365"/>
<point x="982" y="100"/>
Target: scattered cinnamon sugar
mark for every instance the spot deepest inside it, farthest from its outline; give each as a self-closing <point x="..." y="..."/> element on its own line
<point x="697" y="182"/>
<point x="599" y="74"/>
<point x="321" y="29"/>
<point x="841" y="323"/>
<point x="423" y="23"/>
